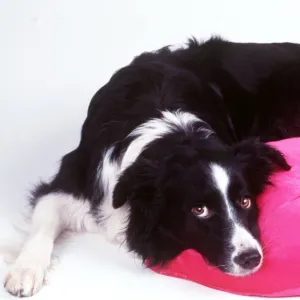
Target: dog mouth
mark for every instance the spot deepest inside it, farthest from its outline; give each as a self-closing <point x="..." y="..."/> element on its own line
<point x="240" y="272"/>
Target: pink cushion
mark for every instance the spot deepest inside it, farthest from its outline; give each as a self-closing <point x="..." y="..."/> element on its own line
<point x="280" y="231"/>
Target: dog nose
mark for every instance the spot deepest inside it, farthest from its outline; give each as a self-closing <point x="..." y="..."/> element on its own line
<point x="248" y="259"/>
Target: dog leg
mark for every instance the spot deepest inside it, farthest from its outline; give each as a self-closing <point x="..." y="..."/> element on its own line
<point x="53" y="214"/>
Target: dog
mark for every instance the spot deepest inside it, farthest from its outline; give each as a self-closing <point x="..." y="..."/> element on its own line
<point x="173" y="155"/>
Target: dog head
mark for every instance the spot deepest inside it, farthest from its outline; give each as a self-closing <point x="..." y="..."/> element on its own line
<point x="189" y="191"/>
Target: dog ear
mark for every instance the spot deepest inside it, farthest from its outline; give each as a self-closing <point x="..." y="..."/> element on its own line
<point x="140" y="176"/>
<point x="258" y="161"/>
<point x="123" y="188"/>
<point x="142" y="186"/>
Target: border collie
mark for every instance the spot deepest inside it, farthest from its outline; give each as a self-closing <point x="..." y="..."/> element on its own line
<point x="173" y="156"/>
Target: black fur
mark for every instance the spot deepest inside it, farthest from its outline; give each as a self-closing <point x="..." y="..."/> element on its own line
<point x="243" y="91"/>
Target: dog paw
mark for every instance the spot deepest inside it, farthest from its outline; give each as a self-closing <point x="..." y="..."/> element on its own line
<point x="24" y="282"/>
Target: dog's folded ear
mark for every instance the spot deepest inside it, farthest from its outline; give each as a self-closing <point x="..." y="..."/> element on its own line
<point x="258" y="161"/>
<point x="140" y="176"/>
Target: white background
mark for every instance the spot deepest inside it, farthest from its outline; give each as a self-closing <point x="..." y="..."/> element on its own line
<point x="54" y="55"/>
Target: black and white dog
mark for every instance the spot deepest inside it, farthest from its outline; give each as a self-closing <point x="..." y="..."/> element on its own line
<point x="172" y="156"/>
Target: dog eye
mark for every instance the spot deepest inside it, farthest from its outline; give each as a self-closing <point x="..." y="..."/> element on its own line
<point x="201" y="211"/>
<point x="245" y="202"/>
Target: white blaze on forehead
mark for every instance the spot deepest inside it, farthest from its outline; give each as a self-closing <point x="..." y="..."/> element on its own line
<point x="221" y="181"/>
<point x="241" y="239"/>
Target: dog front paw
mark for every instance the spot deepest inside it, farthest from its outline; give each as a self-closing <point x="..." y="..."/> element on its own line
<point x="24" y="282"/>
